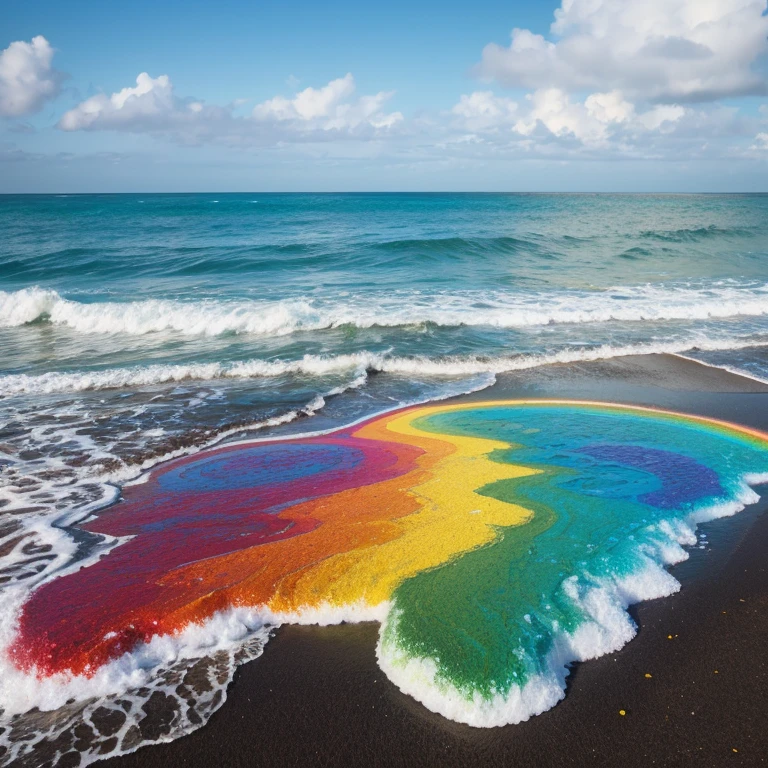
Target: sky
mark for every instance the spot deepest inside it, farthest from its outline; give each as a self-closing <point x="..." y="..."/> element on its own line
<point x="522" y="95"/>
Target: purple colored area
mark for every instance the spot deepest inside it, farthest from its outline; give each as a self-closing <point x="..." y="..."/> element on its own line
<point x="259" y="466"/>
<point x="683" y="479"/>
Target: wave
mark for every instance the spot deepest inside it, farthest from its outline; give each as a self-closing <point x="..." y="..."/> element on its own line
<point x="385" y="309"/>
<point x="361" y="363"/>
<point x="459" y="246"/>
<point x="695" y="234"/>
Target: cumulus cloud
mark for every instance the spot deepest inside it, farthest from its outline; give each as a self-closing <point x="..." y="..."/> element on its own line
<point x="622" y="78"/>
<point x="552" y="113"/>
<point x="27" y="79"/>
<point x="482" y="110"/>
<point x="328" y="107"/>
<point x="312" y="114"/>
<point x="150" y="101"/>
<point x="655" y="50"/>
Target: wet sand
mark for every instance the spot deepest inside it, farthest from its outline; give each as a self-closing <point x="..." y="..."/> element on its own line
<point x="317" y="697"/>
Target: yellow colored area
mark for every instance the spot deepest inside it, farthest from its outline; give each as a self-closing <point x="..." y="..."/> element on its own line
<point x="452" y="518"/>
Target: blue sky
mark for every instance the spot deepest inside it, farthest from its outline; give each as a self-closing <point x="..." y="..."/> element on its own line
<point x="659" y="95"/>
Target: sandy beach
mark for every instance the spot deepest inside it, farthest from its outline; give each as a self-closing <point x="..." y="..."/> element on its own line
<point x="690" y="687"/>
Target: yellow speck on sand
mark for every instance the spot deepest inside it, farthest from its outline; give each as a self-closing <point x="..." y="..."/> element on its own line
<point x="734" y="749"/>
<point x="648" y="675"/>
<point x="669" y="637"/>
<point x="622" y="712"/>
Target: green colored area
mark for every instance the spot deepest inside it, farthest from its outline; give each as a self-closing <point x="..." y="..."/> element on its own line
<point x="489" y="618"/>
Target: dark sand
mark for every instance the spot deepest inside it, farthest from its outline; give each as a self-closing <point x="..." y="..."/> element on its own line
<point x="317" y="697"/>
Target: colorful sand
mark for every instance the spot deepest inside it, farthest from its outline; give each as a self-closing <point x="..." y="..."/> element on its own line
<point x="496" y="541"/>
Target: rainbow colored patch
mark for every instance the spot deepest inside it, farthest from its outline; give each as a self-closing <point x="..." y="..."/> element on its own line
<point x="484" y="534"/>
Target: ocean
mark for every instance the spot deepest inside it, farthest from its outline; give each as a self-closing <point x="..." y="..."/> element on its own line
<point x="134" y="326"/>
<point x="140" y="327"/>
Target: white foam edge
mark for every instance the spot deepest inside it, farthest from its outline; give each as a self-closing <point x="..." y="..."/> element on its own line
<point x="53" y="382"/>
<point x="610" y="627"/>
<point x="22" y="690"/>
<point x="279" y="317"/>
<point x="605" y="600"/>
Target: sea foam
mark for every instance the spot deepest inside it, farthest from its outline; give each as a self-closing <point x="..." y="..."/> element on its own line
<point x="215" y="648"/>
<point x="279" y="317"/>
<point x="360" y="363"/>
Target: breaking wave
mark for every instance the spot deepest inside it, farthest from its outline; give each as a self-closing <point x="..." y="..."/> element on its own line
<point x="408" y="308"/>
<point x="360" y="363"/>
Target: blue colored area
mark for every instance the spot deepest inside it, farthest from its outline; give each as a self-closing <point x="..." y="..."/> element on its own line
<point x="259" y="466"/>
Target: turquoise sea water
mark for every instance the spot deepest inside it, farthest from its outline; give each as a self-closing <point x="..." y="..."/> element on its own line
<point x="167" y="317"/>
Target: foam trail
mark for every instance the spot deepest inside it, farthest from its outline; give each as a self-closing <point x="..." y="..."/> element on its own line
<point x="590" y="595"/>
<point x="406" y="308"/>
<point x="605" y="601"/>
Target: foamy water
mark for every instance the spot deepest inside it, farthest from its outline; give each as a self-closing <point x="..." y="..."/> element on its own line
<point x="495" y="309"/>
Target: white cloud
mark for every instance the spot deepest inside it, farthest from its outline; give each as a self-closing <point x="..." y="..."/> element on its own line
<point x="552" y="108"/>
<point x="328" y="107"/>
<point x="27" y="79"/>
<point x="150" y="100"/>
<point x="309" y="104"/>
<point x="312" y="114"/>
<point x="761" y="142"/>
<point x="658" y="50"/>
<point x="661" y="117"/>
<point x="482" y="110"/>
<point x="609" y="107"/>
<point x="553" y="113"/>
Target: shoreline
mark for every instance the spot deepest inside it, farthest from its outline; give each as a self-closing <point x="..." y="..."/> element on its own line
<point x="317" y="695"/>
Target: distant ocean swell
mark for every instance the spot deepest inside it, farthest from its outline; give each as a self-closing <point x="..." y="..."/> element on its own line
<point x="189" y="259"/>
<point x="481" y="308"/>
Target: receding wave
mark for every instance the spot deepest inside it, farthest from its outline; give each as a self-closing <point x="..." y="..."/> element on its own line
<point x="360" y="363"/>
<point x="386" y="309"/>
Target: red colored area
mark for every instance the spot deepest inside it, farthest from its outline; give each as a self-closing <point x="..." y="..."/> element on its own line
<point x="141" y="587"/>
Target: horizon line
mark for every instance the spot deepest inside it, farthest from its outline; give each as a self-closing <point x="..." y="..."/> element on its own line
<point x="385" y="192"/>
